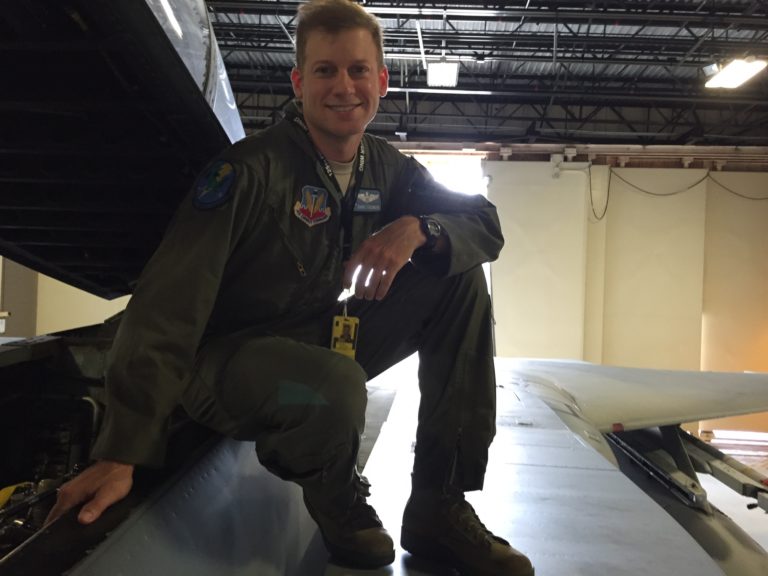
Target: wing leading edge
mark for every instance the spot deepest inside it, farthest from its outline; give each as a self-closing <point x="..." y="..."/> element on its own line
<point x="637" y="398"/>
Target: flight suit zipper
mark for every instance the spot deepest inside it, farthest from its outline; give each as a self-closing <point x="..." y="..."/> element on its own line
<point x="291" y="249"/>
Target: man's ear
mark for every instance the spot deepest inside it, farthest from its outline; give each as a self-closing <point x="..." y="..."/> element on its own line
<point x="383" y="81"/>
<point x="296" y="82"/>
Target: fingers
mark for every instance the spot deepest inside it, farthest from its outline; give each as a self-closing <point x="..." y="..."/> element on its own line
<point x="64" y="501"/>
<point x="351" y="271"/>
<point x="377" y="286"/>
<point x="369" y="281"/>
<point x="385" y="281"/>
<point x="104" y="498"/>
<point x="372" y="268"/>
<point x="99" y="487"/>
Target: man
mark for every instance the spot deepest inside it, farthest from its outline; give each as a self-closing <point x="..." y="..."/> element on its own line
<point x="232" y="316"/>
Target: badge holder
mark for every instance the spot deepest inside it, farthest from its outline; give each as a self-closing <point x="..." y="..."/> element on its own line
<point x="344" y="334"/>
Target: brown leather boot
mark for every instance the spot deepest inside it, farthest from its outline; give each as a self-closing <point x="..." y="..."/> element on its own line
<point x="353" y="534"/>
<point x="445" y="528"/>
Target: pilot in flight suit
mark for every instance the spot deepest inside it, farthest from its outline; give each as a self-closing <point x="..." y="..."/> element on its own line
<point x="232" y="319"/>
<point x="232" y="316"/>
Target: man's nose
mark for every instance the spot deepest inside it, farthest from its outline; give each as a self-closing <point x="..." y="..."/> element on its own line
<point x="344" y="83"/>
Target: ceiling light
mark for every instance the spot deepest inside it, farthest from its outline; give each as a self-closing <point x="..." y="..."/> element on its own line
<point x="443" y="74"/>
<point x="402" y="129"/>
<point x="736" y="73"/>
<point x="710" y="69"/>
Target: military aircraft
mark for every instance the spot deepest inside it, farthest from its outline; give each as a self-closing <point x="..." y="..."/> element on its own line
<point x="590" y="473"/>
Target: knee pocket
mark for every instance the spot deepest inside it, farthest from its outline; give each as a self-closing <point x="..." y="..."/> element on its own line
<point x="320" y="396"/>
<point x="344" y="387"/>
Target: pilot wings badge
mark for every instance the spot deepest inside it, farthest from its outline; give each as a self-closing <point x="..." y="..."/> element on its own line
<point x="368" y="200"/>
<point x="313" y="207"/>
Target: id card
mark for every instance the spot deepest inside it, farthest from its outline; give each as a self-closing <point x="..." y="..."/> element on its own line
<point x="344" y="335"/>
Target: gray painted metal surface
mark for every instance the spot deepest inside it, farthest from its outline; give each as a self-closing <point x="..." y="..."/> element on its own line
<point x="547" y="492"/>
<point x="226" y="515"/>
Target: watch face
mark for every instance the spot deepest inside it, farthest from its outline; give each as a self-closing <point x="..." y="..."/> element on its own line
<point x="433" y="228"/>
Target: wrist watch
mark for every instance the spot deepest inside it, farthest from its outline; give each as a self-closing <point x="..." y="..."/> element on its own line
<point x="432" y="230"/>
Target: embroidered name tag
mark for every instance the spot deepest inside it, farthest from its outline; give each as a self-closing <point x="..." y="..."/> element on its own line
<point x="368" y="200"/>
<point x="313" y="207"/>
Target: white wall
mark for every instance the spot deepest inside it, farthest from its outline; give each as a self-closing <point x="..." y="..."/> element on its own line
<point x="39" y="304"/>
<point x="735" y="315"/>
<point x="538" y="283"/>
<point x="654" y="270"/>
<point x="735" y="309"/>
<point x="61" y="307"/>
<point x="19" y="299"/>
<point x="676" y="281"/>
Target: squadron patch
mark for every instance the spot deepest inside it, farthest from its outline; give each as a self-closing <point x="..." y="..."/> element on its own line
<point x="214" y="186"/>
<point x="313" y="207"/>
<point x="368" y="200"/>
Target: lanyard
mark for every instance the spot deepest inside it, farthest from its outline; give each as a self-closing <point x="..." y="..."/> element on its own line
<point x="350" y="198"/>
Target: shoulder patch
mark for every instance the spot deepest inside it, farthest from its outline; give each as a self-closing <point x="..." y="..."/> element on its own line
<point x="215" y="185"/>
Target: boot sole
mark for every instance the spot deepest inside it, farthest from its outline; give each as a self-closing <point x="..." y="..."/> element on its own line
<point x="353" y="559"/>
<point x="414" y="543"/>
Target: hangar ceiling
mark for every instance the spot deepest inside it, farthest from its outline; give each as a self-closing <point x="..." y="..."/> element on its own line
<point x="532" y="71"/>
<point x="103" y="128"/>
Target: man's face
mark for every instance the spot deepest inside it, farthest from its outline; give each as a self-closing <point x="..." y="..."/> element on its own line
<point x="340" y="83"/>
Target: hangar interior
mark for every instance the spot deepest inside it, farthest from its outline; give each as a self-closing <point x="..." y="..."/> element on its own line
<point x="634" y="199"/>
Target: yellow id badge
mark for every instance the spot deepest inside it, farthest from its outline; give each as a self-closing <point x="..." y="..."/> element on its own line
<point x="344" y="335"/>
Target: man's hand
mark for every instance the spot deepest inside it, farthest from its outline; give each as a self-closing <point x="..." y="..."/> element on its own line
<point x="99" y="486"/>
<point x="381" y="256"/>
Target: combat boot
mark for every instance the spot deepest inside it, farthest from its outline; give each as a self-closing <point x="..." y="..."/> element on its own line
<point x="353" y="533"/>
<point x="445" y="528"/>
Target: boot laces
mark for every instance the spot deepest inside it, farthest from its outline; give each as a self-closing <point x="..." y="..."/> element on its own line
<point x="469" y="524"/>
<point x="361" y="515"/>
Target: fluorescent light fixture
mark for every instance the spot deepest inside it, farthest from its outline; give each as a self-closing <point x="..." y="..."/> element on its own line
<point x="443" y="74"/>
<point x="736" y="73"/>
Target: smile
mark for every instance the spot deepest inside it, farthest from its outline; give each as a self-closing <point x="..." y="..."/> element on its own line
<point x="344" y="107"/>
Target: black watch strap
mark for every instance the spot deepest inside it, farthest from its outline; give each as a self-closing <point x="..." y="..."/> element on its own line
<point x="431" y="229"/>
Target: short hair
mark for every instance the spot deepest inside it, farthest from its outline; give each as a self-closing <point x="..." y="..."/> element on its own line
<point x="333" y="16"/>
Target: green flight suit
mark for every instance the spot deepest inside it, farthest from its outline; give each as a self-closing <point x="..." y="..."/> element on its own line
<point x="232" y="315"/>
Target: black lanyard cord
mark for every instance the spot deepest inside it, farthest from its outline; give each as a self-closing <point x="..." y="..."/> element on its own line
<point x="349" y="199"/>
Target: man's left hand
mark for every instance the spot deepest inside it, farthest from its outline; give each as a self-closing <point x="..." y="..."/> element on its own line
<point x="382" y="256"/>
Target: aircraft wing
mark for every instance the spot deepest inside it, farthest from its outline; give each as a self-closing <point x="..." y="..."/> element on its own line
<point x="631" y="417"/>
<point x="614" y="398"/>
<point x="594" y="400"/>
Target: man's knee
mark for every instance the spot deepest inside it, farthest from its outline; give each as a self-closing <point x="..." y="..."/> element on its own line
<point x="319" y="425"/>
<point x="345" y="391"/>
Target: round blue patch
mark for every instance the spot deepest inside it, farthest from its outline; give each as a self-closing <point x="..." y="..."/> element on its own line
<point x="214" y="186"/>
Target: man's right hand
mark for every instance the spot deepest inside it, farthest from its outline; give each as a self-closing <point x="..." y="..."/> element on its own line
<point x="98" y="486"/>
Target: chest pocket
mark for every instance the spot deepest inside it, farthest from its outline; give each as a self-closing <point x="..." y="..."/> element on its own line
<point x="309" y="237"/>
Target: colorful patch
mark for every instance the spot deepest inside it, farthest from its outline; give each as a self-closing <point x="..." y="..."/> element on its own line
<point x="368" y="201"/>
<point x="214" y="186"/>
<point x="313" y="207"/>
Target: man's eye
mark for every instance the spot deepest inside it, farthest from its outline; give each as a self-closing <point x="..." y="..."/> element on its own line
<point x="323" y="70"/>
<point x="358" y="70"/>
